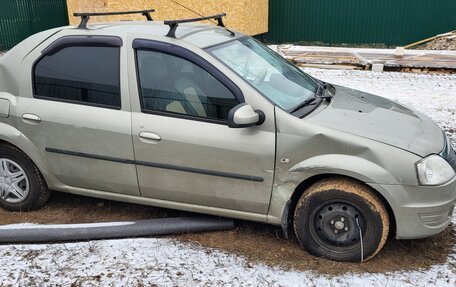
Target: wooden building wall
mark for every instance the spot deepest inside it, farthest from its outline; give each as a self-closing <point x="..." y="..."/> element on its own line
<point x="248" y="16"/>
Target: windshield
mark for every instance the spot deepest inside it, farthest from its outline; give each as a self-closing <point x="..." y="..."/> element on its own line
<point x="277" y="79"/>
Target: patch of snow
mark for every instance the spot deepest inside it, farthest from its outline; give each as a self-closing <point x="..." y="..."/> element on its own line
<point x="63" y="226"/>
<point x="163" y="262"/>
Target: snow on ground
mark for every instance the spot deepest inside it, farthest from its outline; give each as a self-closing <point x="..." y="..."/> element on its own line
<point x="165" y="262"/>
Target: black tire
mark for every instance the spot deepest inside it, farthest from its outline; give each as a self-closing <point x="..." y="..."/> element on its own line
<point x="38" y="193"/>
<point x="327" y="217"/>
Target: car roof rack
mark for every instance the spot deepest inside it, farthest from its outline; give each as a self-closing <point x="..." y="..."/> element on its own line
<point x="86" y="16"/>
<point x="173" y="24"/>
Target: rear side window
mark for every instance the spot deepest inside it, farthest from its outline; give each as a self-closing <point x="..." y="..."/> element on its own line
<point x="82" y="75"/>
<point x="173" y="85"/>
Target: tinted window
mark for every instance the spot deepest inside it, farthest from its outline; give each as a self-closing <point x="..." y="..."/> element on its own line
<point x="175" y="85"/>
<point x="88" y="75"/>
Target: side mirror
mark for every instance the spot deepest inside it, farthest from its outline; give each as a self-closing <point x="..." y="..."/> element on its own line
<point x="243" y="115"/>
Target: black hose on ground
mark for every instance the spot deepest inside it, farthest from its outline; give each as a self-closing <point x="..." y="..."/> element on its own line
<point x="110" y="230"/>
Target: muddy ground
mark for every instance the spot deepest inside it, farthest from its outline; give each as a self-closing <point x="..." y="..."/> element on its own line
<point x="244" y="240"/>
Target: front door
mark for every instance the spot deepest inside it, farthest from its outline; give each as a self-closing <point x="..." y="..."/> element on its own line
<point x="185" y="152"/>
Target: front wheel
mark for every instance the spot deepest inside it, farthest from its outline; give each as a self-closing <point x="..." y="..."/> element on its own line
<point x="341" y="219"/>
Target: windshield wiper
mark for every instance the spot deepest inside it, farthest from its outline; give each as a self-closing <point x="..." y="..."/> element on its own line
<point x="321" y="88"/>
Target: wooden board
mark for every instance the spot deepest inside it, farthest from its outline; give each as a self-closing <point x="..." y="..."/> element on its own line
<point x="248" y="16"/>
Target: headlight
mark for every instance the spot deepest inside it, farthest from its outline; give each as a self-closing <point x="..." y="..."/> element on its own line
<point x="434" y="170"/>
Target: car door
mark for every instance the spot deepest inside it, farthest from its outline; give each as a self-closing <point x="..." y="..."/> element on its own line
<point x="77" y="114"/>
<point x="185" y="152"/>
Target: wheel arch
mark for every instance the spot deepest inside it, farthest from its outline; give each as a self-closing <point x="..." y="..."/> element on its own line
<point x="19" y="141"/>
<point x="287" y="218"/>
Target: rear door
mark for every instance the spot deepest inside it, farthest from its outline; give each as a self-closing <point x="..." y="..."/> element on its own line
<point x="77" y="114"/>
<point x="185" y="151"/>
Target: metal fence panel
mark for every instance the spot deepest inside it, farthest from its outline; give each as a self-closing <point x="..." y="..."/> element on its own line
<point x="22" y="18"/>
<point x="391" y="22"/>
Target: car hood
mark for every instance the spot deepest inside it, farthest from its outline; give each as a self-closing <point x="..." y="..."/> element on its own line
<point x="382" y="120"/>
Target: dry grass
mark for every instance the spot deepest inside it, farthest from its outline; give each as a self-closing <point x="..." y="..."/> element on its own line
<point x="261" y="243"/>
<point x="257" y="242"/>
<point x="66" y="208"/>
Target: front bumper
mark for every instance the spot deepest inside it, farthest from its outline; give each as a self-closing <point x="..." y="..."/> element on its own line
<point x="420" y="211"/>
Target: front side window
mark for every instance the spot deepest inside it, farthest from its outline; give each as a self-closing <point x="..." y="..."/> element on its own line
<point x="83" y="75"/>
<point x="277" y="79"/>
<point x="174" y="85"/>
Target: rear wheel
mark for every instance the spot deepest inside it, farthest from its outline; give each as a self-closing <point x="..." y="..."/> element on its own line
<point x="22" y="187"/>
<point x="341" y="219"/>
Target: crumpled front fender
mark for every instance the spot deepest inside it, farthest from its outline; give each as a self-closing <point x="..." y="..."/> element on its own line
<point x="347" y="165"/>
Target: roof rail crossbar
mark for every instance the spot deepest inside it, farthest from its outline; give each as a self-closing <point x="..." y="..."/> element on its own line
<point x="86" y="16"/>
<point x="173" y="24"/>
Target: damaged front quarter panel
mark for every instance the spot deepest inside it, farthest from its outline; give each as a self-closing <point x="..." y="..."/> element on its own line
<point x="317" y="151"/>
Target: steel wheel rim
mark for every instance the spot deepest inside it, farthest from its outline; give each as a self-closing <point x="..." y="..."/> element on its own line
<point x="14" y="183"/>
<point x="326" y="220"/>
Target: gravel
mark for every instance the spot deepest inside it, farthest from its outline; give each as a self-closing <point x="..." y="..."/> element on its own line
<point x="443" y="43"/>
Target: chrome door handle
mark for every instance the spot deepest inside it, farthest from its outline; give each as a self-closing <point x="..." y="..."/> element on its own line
<point x="31" y="117"/>
<point x="150" y="136"/>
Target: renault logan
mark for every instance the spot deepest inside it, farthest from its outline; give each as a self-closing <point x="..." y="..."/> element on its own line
<point x="201" y="118"/>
